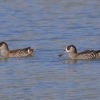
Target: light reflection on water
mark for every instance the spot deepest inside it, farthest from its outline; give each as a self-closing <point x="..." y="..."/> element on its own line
<point x="49" y="26"/>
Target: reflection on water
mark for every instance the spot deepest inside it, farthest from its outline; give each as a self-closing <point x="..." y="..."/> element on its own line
<point x="72" y="61"/>
<point x="3" y="59"/>
<point x="49" y="26"/>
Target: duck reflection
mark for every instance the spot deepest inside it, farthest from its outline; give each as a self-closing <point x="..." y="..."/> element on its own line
<point x="70" y="61"/>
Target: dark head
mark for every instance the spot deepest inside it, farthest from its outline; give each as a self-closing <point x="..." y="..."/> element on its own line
<point x="69" y="49"/>
<point x="3" y="45"/>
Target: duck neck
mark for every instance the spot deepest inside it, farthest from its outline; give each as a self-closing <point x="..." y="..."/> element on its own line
<point x="4" y="52"/>
<point x="72" y="55"/>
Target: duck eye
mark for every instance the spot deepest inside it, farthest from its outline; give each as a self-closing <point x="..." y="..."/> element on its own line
<point x="0" y="44"/>
<point x="68" y="48"/>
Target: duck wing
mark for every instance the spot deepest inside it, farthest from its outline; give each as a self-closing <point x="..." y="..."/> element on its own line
<point x="86" y="51"/>
<point x="24" y="49"/>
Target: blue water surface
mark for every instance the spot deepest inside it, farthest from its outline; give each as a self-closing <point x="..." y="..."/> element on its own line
<point x="50" y="26"/>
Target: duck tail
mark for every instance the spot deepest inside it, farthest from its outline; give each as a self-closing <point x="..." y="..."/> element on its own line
<point x="30" y="51"/>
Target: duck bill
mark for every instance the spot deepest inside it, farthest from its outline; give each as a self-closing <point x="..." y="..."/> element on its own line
<point x="62" y="53"/>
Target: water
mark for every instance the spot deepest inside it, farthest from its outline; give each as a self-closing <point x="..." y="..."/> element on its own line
<point x="49" y="26"/>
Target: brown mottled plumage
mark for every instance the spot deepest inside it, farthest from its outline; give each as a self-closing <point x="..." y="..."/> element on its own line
<point x="87" y="54"/>
<point x="14" y="53"/>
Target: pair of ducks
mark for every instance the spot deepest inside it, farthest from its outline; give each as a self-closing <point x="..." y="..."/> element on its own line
<point x="71" y="49"/>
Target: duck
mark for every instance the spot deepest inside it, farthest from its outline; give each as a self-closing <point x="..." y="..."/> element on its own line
<point x="5" y="52"/>
<point x="86" y="54"/>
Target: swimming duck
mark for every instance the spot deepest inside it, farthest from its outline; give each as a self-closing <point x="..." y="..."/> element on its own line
<point x="5" y="52"/>
<point x="87" y="54"/>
